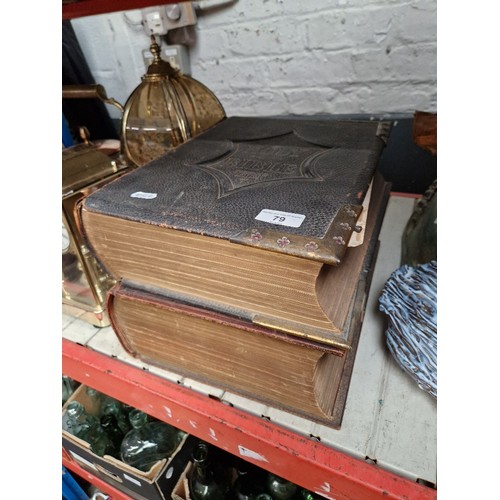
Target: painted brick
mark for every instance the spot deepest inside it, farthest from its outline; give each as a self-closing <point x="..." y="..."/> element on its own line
<point x="265" y="38"/>
<point x="308" y="101"/>
<point x="249" y="10"/>
<point x="411" y="63"/>
<point x="419" y="23"/>
<point x="255" y="103"/>
<point x="310" y="68"/>
<point x="385" y="97"/>
<point x="394" y="24"/>
<point x="227" y="75"/>
<point x="212" y="45"/>
<point x="264" y="57"/>
<point x="375" y="98"/>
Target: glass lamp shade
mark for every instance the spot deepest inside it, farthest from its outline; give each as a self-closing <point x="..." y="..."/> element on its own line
<point x="165" y="110"/>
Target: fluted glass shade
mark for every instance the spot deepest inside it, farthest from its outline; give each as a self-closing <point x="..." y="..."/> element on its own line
<point x="165" y="110"/>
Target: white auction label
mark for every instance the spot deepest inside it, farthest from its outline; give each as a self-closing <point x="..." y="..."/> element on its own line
<point x="143" y="195"/>
<point x="280" y="218"/>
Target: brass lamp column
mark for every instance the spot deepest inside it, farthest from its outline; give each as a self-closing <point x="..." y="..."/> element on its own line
<point x="166" y="109"/>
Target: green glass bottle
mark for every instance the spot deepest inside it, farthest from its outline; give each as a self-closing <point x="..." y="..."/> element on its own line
<point x="204" y="484"/>
<point x="96" y="398"/>
<point x="279" y="488"/>
<point x="76" y="420"/>
<point x="308" y="495"/>
<point x="115" y="435"/>
<point x="98" y="440"/>
<point x="107" y="405"/>
<point x="86" y="427"/>
<point x="111" y="406"/>
<point x="249" y="483"/>
<point x="68" y="387"/>
<point x="148" y="441"/>
<point x="138" y="418"/>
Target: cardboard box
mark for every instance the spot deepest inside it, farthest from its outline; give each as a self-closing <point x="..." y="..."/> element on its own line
<point x="181" y="489"/>
<point x="156" y="484"/>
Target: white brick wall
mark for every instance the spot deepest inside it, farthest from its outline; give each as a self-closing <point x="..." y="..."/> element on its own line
<point x="265" y="57"/>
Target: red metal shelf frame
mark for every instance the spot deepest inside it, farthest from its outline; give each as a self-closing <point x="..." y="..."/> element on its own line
<point x="82" y="8"/>
<point x="99" y="483"/>
<point x="298" y="458"/>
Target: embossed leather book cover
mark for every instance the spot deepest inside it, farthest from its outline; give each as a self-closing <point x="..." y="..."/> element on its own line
<point x="294" y="186"/>
<point x="250" y="219"/>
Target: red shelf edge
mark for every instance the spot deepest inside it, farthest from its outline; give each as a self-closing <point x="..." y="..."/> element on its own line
<point x="82" y="8"/>
<point x="99" y="483"/>
<point x="304" y="461"/>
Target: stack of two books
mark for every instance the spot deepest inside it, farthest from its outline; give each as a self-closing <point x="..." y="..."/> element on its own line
<point x="243" y="257"/>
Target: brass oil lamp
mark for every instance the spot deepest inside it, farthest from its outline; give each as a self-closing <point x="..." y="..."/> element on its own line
<point x="165" y="110"/>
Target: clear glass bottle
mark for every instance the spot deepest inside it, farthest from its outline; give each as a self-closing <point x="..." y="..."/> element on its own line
<point x="279" y="488"/>
<point x="148" y="441"/>
<point x="204" y="483"/>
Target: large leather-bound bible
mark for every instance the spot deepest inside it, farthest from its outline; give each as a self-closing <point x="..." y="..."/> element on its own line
<point x="307" y="377"/>
<point x="251" y="219"/>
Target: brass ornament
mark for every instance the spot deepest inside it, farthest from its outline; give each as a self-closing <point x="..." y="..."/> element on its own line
<point x="165" y="110"/>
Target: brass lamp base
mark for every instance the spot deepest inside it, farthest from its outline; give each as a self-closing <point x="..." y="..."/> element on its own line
<point x="84" y="281"/>
<point x="99" y="319"/>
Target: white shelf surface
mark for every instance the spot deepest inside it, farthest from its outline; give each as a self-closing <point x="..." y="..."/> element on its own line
<point x="387" y="418"/>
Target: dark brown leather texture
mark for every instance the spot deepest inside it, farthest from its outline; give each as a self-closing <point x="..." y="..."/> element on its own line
<point x="217" y="183"/>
